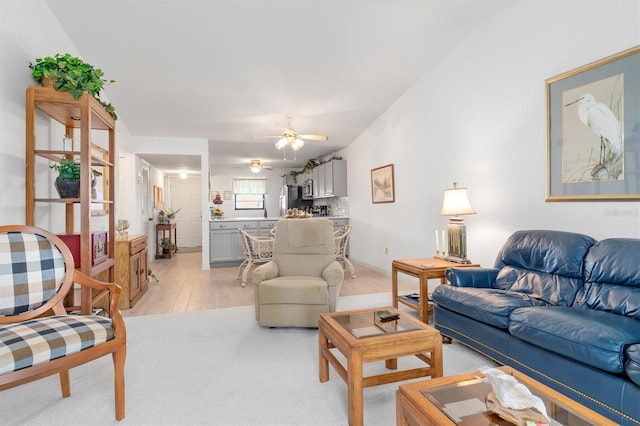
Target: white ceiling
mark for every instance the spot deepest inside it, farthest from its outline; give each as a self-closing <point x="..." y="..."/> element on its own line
<point x="230" y="70"/>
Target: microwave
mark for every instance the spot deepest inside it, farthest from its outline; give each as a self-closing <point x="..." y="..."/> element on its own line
<point x="307" y="190"/>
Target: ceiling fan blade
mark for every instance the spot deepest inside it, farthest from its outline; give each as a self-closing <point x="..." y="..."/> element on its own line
<point x="315" y="137"/>
<point x="267" y="168"/>
<point x="267" y="137"/>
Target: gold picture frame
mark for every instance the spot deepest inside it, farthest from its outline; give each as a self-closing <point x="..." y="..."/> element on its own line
<point x="593" y="113"/>
<point x="157" y="197"/>
<point x="382" y="185"/>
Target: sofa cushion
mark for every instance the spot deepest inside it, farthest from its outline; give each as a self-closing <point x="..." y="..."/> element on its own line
<point x="553" y="252"/>
<point x="490" y="306"/>
<point x="632" y="366"/>
<point x="595" y="338"/>
<point x="544" y="264"/>
<point x="612" y="277"/>
<point x="553" y="289"/>
<point x="294" y="290"/>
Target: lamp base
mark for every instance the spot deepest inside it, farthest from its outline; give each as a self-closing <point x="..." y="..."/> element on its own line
<point x="457" y="241"/>
<point x="456" y="259"/>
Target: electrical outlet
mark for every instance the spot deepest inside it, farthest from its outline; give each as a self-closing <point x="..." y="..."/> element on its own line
<point x="386" y="250"/>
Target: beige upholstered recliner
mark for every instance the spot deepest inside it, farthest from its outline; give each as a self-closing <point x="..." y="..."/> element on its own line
<point x="303" y="280"/>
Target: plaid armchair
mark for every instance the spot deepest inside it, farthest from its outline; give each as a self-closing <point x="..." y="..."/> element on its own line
<point x="37" y="336"/>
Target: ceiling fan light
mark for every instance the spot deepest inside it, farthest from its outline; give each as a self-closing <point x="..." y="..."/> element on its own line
<point x="255" y="166"/>
<point x="297" y="144"/>
<point x="282" y="143"/>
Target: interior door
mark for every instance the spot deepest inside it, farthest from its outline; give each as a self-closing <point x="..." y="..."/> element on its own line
<point x="186" y="196"/>
<point x="146" y="201"/>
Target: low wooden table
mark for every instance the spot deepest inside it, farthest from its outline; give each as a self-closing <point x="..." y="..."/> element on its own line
<point x="361" y="338"/>
<point x="423" y="403"/>
<point x="423" y="269"/>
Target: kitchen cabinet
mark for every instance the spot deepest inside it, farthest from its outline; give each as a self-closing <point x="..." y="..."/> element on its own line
<point x="225" y="246"/>
<point x="265" y="227"/>
<point x="131" y="268"/>
<point x="84" y="120"/>
<point x="330" y="179"/>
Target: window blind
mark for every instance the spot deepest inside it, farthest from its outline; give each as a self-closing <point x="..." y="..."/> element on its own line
<point x="249" y="186"/>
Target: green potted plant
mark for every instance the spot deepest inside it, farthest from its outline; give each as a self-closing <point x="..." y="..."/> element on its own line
<point x="165" y="243"/>
<point x="72" y="74"/>
<point x="68" y="181"/>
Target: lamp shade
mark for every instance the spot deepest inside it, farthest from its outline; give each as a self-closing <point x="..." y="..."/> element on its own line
<point x="456" y="202"/>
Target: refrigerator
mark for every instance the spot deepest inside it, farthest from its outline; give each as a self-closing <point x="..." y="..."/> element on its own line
<point x="291" y="197"/>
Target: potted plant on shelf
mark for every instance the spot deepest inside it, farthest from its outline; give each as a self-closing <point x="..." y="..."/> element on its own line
<point x="68" y="181"/>
<point x="72" y="74"/>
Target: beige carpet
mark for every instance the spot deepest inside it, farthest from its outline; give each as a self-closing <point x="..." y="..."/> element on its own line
<point x="216" y="367"/>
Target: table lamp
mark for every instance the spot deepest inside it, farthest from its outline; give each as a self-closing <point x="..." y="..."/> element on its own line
<point x="456" y="203"/>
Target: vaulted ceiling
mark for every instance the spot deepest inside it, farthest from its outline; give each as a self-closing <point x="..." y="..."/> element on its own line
<point x="230" y="70"/>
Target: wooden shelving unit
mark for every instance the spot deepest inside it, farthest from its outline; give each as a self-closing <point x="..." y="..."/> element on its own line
<point x="87" y="115"/>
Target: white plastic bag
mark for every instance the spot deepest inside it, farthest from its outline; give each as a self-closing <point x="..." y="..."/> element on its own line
<point x="511" y="393"/>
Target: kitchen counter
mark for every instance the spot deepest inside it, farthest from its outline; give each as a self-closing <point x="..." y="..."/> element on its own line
<point x="242" y="219"/>
<point x="225" y="245"/>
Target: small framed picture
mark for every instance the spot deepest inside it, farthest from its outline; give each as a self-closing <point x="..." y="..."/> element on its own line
<point x="226" y="195"/>
<point x="382" y="185"/>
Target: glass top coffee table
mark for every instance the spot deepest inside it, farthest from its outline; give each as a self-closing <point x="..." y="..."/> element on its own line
<point x="366" y="335"/>
<point x="460" y="400"/>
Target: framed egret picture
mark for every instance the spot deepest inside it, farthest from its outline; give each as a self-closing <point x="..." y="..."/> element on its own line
<point x="593" y="131"/>
<point x="382" y="185"/>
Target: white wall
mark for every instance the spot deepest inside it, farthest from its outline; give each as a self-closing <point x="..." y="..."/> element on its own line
<point x="478" y="117"/>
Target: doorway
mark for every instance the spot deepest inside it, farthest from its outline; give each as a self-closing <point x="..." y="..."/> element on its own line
<point x="185" y="194"/>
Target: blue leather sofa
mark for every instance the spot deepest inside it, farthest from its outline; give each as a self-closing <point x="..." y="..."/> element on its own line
<point x="561" y="307"/>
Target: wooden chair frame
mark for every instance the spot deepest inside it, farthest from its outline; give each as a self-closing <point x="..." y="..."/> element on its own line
<point x="116" y="346"/>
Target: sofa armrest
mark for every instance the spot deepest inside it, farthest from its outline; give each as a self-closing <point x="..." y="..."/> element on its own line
<point x="333" y="274"/>
<point x="472" y="277"/>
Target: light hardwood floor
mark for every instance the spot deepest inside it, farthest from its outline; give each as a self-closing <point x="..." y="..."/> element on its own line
<point x="184" y="286"/>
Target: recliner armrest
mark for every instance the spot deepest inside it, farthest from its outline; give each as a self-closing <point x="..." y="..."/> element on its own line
<point x="264" y="272"/>
<point x="472" y="277"/>
<point x="333" y="274"/>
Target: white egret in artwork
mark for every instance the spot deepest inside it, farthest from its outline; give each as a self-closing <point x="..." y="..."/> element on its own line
<point x="603" y="122"/>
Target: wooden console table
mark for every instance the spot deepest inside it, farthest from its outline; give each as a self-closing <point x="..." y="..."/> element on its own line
<point x="423" y="269"/>
<point x="161" y="232"/>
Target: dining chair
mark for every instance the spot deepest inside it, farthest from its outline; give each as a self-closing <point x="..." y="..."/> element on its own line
<point x="341" y="236"/>
<point x="256" y="250"/>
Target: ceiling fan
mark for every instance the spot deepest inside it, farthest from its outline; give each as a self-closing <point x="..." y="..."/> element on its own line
<point x="256" y="167"/>
<point x="291" y="138"/>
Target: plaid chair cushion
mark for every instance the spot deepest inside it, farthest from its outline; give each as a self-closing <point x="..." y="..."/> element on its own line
<point x="32" y="270"/>
<point x="37" y="341"/>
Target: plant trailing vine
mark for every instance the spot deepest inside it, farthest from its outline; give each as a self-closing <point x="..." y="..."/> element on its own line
<point x="72" y="74"/>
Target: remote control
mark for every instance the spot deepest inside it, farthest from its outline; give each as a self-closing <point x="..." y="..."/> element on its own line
<point x="386" y="316"/>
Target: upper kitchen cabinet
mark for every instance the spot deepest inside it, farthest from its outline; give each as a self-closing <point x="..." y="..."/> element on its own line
<point x="330" y="179"/>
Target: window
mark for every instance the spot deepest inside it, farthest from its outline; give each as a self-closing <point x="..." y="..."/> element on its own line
<point x="249" y="201"/>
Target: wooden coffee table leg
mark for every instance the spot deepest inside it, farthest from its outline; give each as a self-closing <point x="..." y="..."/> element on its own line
<point x="323" y="363"/>
<point x="354" y="384"/>
<point x="391" y="364"/>
<point x="436" y="358"/>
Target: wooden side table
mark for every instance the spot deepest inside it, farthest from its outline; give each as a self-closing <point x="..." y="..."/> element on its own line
<point x="423" y="269"/>
<point x="161" y="232"/>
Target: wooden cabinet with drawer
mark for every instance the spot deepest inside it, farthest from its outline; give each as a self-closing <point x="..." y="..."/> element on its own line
<point x="131" y="268"/>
